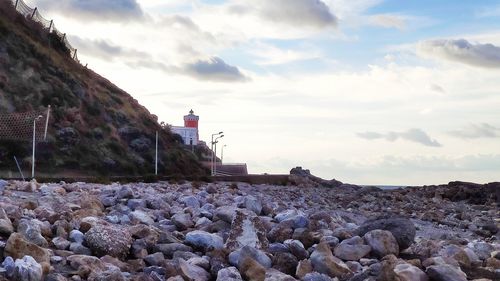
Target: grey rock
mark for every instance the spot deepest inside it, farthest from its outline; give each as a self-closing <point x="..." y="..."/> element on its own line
<point x="315" y="276"/>
<point x="382" y="242"/>
<point x="79" y="249"/>
<point x="155" y="259"/>
<point x="229" y="274"/>
<point x="76" y="236"/>
<point x="135" y="204"/>
<point x="297" y="249"/>
<point x="401" y="228"/>
<point x="31" y="231"/>
<point x="9" y="266"/>
<point x="205" y="240"/>
<point x="61" y="243"/>
<point x="253" y="204"/>
<point x="169" y="249"/>
<point x="141" y="217"/>
<point x="445" y="272"/>
<point x="190" y="201"/>
<point x="259" y="256"/>
<point x="182" y="221"/>
<point x="109" y="240"/>
<point x="27" y="269"/>
<point x="352" y="249"/>
<point x="193" y="272"/>
<point x="246" y="230"/>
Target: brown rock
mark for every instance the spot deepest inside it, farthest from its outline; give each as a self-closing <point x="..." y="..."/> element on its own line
<point x="109" y="240"/>
<point x="323" y="261"/>
<point x="246" y="229"/>
<point x="17" y="248"/>
<point x="251" y="269"/>
<point x="304" y="267"/>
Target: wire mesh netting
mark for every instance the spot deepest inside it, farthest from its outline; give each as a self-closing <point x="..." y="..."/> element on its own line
<point x="19" y="126"/>
<point x="29" y="12"/>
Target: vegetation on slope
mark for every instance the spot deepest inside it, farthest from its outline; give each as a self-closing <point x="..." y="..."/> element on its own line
<point x="95" y="127"/>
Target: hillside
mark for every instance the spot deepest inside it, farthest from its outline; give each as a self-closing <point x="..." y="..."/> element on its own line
<point x="95" y="127"/>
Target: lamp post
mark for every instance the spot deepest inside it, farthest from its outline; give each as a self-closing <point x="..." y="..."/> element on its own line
<point x="222" y="154"/>
<point x="212" y="150"/>
<point x="34" y="145"/>
<point x="215" y="153"/>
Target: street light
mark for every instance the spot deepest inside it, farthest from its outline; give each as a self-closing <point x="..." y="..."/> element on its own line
<point x="212" y="149"/>
<point x="222" y="154"/>
<point x="215" y="152"/>
<point x="34" y="144"/>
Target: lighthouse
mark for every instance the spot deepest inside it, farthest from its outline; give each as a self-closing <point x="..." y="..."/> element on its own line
<point x="189" y="132"/>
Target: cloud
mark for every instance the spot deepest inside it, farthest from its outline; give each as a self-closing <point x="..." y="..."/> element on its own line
<point x="214" y="69"/>
<point x="414" y="135"/>
<point x="461" y="50"/>
<point x="96" y="10"/>
<point x="475" y="131"/>
<point x="103" y="49"/>
<point x="388" y="21"/>
<point x="313" y="13"/>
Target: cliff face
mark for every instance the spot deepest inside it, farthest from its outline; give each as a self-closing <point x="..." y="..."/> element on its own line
<point x="95" y="127"/>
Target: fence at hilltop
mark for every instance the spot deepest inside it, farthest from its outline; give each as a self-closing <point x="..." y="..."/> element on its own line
<point x="33" y="14"/>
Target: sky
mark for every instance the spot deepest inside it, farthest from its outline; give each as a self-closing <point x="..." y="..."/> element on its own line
<point x="364" y="91"/>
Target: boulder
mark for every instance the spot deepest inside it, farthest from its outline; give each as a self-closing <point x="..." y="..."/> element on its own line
<point x="276" y="275"/>
<point x="182" y="221"/>
<point x="6" y="227"/>
<point x="169" y="249"/>
<point x="31" y="231"/>
<point x="109" y="240"/>
<point x="251" y="269"/>
<point x="253" y="204"/>
<point x="237" y="256"/>
<point x="246" y="230"/>
<point x="297" y="249"/>
<point x="303" y="268"/>
<point x="229" y="274"/>
<point x="17" y="248"/>
<point x="285" y="262"/>
<point x="204" y="240"/>
<point x="352" y="249"/>
<point x="408" y="272"/>
<point x="192" y="272"/>
<point x="323" y="261"/>
<point x="401" y="228"/>
<point x="27" y="269"/>
<point x="382" y="242"/>
<point x="445" y="272"/>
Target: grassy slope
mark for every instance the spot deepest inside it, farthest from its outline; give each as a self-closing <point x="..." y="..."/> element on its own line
<point x="104" y="121"/>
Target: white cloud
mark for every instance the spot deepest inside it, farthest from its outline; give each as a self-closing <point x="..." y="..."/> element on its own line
<point x="476" y="131"/>
<point x="461" y="50"/>
<point x="96" y="10"/>
<point x="414" y="135"/>
<point x="270" y="55"/>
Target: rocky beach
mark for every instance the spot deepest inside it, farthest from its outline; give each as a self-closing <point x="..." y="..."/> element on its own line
<point x="310" y="229"/>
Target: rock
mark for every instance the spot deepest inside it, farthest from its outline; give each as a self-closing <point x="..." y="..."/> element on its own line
<point x="445" y="272"/>
<point x="17" y="248"/>
<point x="275" y="275"/>
<point x="190" y="201"/>
<point x="303" y="268"/>
<point x="382" y="242"/>
<point x="142" y="217"/>
<point x="27" y="269"/>
<point x="125" y="192"/>
<point x="192" y="272"/>
<point x="225" y="213"/>
<point x="109" y="240"/>
<point x="259" y="256"/>
<point x="251" y="269"/>
<point x="401" y="228"/>
<point x="154" y="259"/>
<point x="253" y="204"/>
<point x="61" y="243"/>
<point x="456" y="253"/>
<point x="352" y="249"/>
<point x="315" y="276"/>
<point x="285" y="262"/>
<point x="288" y="214"/>
<point x="9" y="266"/>
<point x="32" y="232"/>
<point x="246" y="230"/>
<point x="6" y="227"/>
<point x="229" y="274"/>
<point x="169" y="249"/>
<point x="407" y="272"/>
<point x="182" y="221"/>
<point x="323" y="261"/>
<point x="204" y="240"/>
<point x="79" y="249"/>
<point x="76" y="236"/>
<point x="281" y="231"/>
<point x="297" y="249"/>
